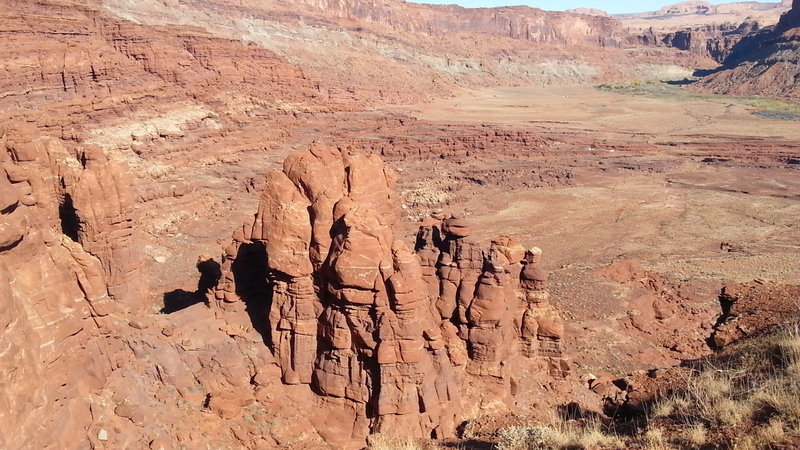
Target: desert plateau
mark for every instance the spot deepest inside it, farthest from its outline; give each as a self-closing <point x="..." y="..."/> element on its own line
<point x="363" y="224"/>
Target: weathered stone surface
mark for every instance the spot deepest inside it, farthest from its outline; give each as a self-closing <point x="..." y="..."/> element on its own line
<point x="763" y="63"/>
<point x="383" y="334"/>
<point x="54" y="302"/>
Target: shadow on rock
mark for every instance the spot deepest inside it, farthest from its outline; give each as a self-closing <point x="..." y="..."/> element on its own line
<point x="210" y="273"/>
<point x="180" y="299"/>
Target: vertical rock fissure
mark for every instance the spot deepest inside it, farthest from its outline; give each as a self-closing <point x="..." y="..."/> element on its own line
<point x="70" y="222"/>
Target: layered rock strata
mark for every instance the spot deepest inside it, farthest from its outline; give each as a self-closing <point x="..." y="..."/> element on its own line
<point x="765" y="63"/>
<point x="383" y="335"/>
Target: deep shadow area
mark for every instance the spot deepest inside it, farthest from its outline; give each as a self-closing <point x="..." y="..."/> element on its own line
<point x="210" y="273"/>
<point x="683" y="82"/>
<point x="468" y="444"/>
<point x="573" y="411"/>
<point x="180" y="299"/>
<point x="250" y="277"/>
<point x="700" y="73"/>
<point x="70" y="223"/>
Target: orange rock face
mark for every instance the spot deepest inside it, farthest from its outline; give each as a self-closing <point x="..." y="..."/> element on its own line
<point x="384" y="335"/>
<point x="68" y="247"/>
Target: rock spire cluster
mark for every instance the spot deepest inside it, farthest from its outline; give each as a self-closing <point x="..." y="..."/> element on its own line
<point x="384" y="334"/>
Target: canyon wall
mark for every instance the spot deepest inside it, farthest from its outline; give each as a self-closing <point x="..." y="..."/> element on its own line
<point x="763" y="64"/>
<point x="518" y="22"/>
<point x="716" y="41"/>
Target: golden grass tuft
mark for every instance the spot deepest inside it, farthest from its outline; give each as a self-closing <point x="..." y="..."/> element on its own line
<point x="749" y="396"/>
<point x="695" y="436"/>
<point x="576" y="435"/>
<point x="757" y="388"/>
<point x="655" y="439"/>
<point x="387" y="442"/>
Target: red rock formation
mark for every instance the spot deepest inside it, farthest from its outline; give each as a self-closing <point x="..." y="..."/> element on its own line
<point x="716" y="41"/>
<point x="352" y="311"/>
<point x="751" y="308"/>
<point x="669" y="314"/>
<point x="54" y="300"/>
<point x="763" y="64"/>
<point x="99" y="200"/>
<point x="530" y="24"/>
<point x="541" y="327"/>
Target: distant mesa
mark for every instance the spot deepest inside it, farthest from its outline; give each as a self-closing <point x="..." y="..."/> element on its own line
<point x="683" y="8"/>
<point x="589" y="12"/>
<point x="706" y="8"/>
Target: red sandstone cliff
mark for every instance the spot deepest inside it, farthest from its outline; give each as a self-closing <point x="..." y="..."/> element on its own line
<point x="519" y="22"/>
<point x="69" y="259"/>
<point x="766" y="64"/>
<point x="385" y="337"/>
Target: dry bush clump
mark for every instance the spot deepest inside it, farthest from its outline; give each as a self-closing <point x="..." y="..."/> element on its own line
<point x="745" y="398"/>
<point x="655" y="439"/>
<point x="755" y="392"/>
<point x="695" y="436"/>
<point x="572" y="435"/>
<point x="387" y="442"/>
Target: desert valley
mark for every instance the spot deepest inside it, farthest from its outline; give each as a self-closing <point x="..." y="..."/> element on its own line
<point x="380" y="224"/>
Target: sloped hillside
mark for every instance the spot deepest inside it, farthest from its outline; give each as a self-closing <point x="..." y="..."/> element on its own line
<point x="766" y="64"/>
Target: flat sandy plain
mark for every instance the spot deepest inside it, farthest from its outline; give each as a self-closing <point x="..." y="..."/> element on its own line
<point x="699" y="189"/>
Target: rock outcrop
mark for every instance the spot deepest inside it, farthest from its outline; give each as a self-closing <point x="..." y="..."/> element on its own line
<point x="664" y="312"/>
<point x="382" y="334"/>
<point x="67" y="247"/>
<point x="519" y="22"/>
<point x="752" y="308"/>
<point x="765" y="63"/>
<point x="716" y="41"/>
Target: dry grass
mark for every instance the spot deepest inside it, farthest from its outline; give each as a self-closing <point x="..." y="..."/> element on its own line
<point x="695" y="436"/>
<point x="573" y="435"/>
<point x="386" y="442"/>
<point x="743" y="399"/>
<point x="655" y="439"/>
<point x="755" y="392"/>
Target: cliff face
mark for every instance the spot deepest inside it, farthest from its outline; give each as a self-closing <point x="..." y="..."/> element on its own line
<point x="701" y="27"/>
<point x="716" y="41"/>
<point x="69" y="250"/>
<point x="433" y="48"/>
<point x="763" y="64"/>
<point x="115" y="124"/>
<point x="529" y="24"/>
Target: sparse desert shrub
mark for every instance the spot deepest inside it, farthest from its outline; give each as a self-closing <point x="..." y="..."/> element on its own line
<point x="710" y="398"/>
<point x="772" y="432"/>
<point x="654" y="439"/>
<point x="754" y="390"/>
<point x="695" y="436"/>
<point x="746" y="442"/>
<point x="787" y="348"/>
<point x="387" y="442"/>
<point x="576" y="435"/>
<point x="760" y="383"/>
<point x="522" y="438"/>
